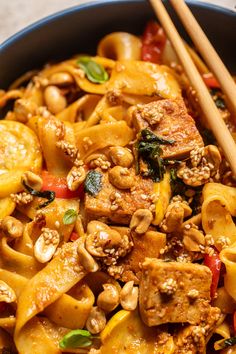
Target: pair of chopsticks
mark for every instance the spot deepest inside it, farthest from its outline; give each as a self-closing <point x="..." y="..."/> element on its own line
<point x="215" y="121"/>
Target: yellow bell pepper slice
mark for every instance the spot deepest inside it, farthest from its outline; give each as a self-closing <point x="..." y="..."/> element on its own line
<point x="125" y="333"/>
<point x="162" y="190"/>
<point x="20" y="152"/>
<point x="119" y="318"/>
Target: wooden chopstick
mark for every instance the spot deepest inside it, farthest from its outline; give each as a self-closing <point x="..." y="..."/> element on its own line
<point x="208" y="53"/>
<point x="208" y="106"/>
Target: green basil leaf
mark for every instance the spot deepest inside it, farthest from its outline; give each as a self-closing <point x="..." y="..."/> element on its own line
<point x="69" y="217"/>
<point x="94" y="71"/>
<point x="77" y="338"/>
<point x="93" y="182"/>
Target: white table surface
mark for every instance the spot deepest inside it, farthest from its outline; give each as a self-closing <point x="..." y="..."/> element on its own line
<point x="17" y="14"/>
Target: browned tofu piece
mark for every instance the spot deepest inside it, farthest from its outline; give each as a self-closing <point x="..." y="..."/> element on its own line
<point x="174" y="292"/>
<point x="192" y="339"/>
<point x="169" y="119"/>
<point x="146" y="245"/>
<point x="99" y="207"/>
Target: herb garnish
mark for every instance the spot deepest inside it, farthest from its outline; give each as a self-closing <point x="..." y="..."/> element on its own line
<point x="149" y="149"/>
<point x="49" y="195"/>
<point x="224" y="343"/>
<point x="70" y="216"/>
<point x="77" y="338"/>
<point x="208" y="137"/>
<point x="93" y="182"/>
<point x="94" y="71"/>
<point x="218" y="99"/>
<point x="220" y="103"/>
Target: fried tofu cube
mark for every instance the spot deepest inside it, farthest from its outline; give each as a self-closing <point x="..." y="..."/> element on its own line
<point x="174" y="292"/>
<point x="193" y="339"/>
<point x="115" y="205"/>
<point x="146" y="245"/>
<point x="169" y="119"/>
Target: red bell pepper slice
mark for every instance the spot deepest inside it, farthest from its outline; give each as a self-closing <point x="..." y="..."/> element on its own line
<point x="213" y="262"/>
<point x="210" y="80"/>
<point x="153" y="43"/>
<point x="59" y="186"/>
<point x="74" y="236"/>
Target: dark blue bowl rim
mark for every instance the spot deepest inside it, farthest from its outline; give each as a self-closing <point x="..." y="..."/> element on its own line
<point x="93" y="4"/>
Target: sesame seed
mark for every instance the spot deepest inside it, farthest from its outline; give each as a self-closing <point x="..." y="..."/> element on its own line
<point x="114" y="207"/>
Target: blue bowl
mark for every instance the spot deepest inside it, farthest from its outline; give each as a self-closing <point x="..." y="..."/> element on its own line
<point x="80" y="28"/>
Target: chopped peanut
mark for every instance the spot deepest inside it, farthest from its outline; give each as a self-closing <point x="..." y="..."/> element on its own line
<point x="96" y="320"/>
<point x="108" y="299"/>
<point x="141" y="220"/>
<point x="46" y="245"/>
<point x="129" y="296"/>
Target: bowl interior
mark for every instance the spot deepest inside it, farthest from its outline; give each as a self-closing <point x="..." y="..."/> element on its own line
<point x="79" y="29"/>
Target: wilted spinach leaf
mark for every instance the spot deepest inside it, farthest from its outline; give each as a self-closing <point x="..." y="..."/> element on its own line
<point x="49" y="195"/>
<point x="93" y="182"/>
<point x="149" y="149"/>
